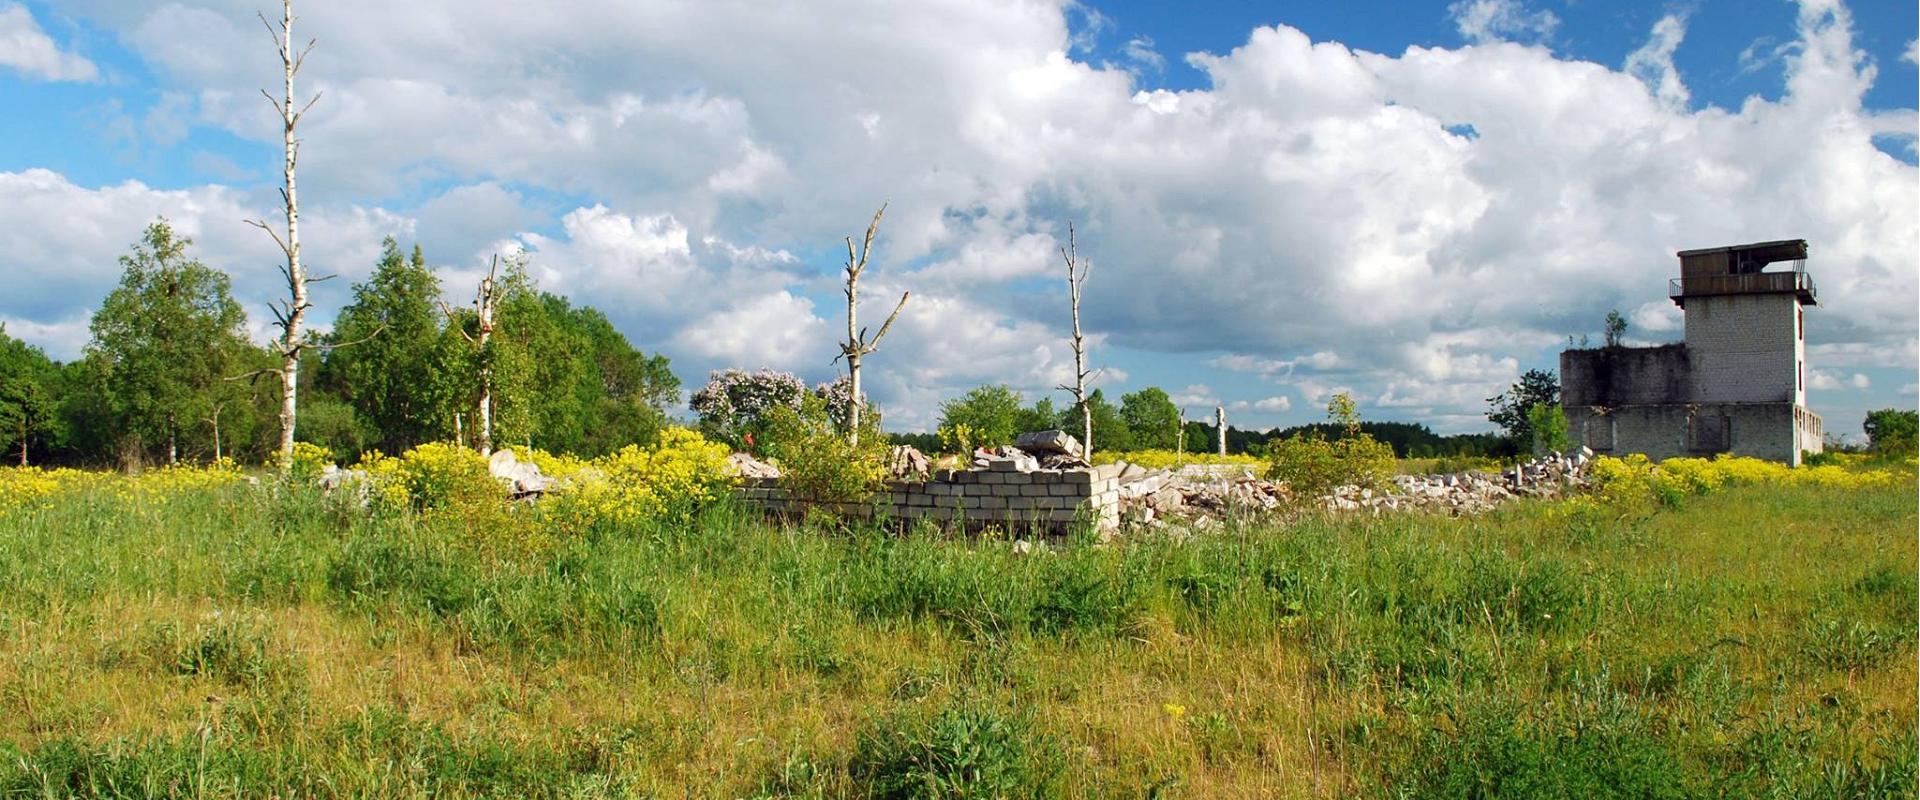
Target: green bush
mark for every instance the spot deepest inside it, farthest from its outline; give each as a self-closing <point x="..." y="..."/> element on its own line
<point x="1549" y="428"/>
<point x="1312" y="465"/>
<point x="816" y="460"/>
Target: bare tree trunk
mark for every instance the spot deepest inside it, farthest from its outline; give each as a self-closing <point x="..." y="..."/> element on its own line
<point x="1077" y="269"/>
<point x="290" y="314"/>
<point x="485" y="304"/>
<point x="1180" y="438"/>
<point x="1220" y="426"/>
<point x="857" y="345"/>
<point x="215" y="420"/>
<point x="173" y="443"/>
<point x="23" y="440"/>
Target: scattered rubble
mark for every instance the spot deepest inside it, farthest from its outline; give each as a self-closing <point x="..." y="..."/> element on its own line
<point x="741" y="465"/>
<point x="334" y="479"/>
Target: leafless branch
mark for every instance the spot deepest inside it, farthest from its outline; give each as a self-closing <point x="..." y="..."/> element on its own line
<point x="252" y="376"/>
<point x="331" y="346"/>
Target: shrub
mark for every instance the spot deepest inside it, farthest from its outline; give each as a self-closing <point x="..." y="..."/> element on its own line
<point x="963" y="751"/>
<point x="816" y="461"/>
<point x="1549" y="428"/>
<point x="436" y="475"/>
<point x="307" y="461"/>
<point x="1311" y="465"/>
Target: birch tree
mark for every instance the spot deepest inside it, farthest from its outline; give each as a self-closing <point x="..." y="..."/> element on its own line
<point x="290" y="314"/>
<point x="486" y="303"/>
<point x="1077" y="269"/>
<point x="858" y="346"/>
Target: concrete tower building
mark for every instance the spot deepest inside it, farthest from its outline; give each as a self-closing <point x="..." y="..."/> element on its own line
<point x="1737" y="385"/>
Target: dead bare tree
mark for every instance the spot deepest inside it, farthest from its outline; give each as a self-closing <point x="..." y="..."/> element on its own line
<point x="290" y="314"/>
<point x="857" y="345"/>
<point x="1220" y="427"/>
<point x="1077" y="269"/>
<point x="485" y="302"/>
<point x="214" y="420"/>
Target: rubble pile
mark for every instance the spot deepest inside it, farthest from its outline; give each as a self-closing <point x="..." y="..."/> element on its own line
<point x="523" y="478"/>
<point x="906" y="461"/>
<point x="1199" y="495"/>
<point x="1055" y="449"/>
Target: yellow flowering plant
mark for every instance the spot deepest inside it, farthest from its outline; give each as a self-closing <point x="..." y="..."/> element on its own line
<point x="307" y="461"/>
<point x="668" y="480"/>
<point x="1163" y="459"/>
<point x="432" y="476"/>
<point x="1635" y="480"/>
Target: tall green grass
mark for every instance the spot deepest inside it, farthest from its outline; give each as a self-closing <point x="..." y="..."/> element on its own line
<point x="238" y="643"/>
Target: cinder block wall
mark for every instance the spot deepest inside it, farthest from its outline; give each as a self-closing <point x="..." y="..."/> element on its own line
<point x="1045" y="500"/>
<point x="1745" y="348"/>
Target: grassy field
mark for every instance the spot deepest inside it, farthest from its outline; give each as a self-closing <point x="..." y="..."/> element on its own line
<point x="1756" y="642"/>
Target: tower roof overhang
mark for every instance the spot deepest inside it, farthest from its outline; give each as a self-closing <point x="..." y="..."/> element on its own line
<point x="1761" y="252"/>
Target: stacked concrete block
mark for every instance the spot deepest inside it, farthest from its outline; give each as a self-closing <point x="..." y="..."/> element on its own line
<point x="1002" y="496"/>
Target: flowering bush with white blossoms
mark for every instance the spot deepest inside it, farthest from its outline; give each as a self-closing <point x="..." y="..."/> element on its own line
<point x="733" y="405"/>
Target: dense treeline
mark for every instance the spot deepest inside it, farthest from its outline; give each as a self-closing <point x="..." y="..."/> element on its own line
<point x="169" y="373"/>
<point x="1149" y="420"/>
<point x="1415" y="440"/>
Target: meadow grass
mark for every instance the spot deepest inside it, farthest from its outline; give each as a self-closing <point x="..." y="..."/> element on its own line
<point x="239" y="642"/>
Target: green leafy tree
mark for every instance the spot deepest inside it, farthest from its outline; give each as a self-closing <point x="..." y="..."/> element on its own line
<point x="388" y="373"/>
<point x="1152" y="418"/>
<point x="162" y="341"/>
<point x="1549" y="428"/>
<point x="622" y="392"/>
<point x="1892" y="431"/>
<point x="1342" y="411"/>
<point x="1616" y="332"/>
<point x="1108" y="425"/>
<point x="29" y="386"/>
<point x="1040" y="416"/>
<point x="989" y="414"/>
<point x="1510" y="409"/>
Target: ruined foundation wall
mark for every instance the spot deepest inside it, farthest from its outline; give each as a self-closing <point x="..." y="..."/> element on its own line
<point x="1773" y="431"/>
<point x="1048" y="501"/>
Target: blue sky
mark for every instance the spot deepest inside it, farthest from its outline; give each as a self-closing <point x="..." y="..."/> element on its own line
<point x="1281" y="199"/>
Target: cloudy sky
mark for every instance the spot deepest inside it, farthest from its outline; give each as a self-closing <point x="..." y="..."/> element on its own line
<point x="1413" y="202"/>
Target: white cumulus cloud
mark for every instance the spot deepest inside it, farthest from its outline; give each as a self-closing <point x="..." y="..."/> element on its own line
<point x="25" y="47"/>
